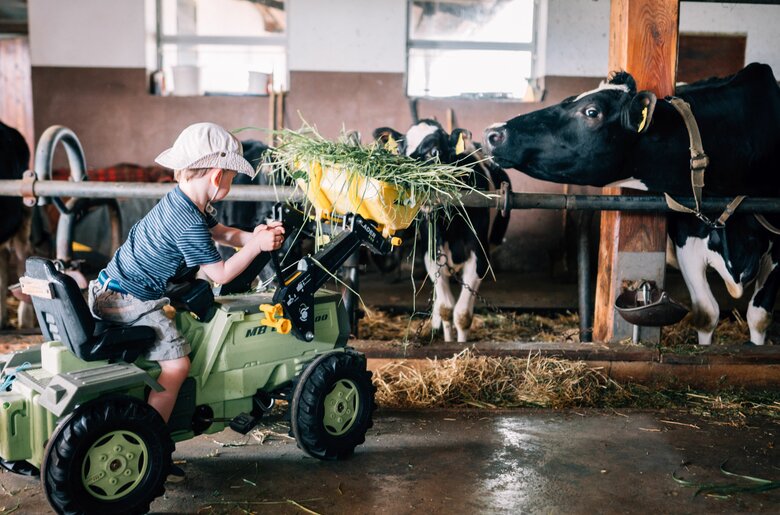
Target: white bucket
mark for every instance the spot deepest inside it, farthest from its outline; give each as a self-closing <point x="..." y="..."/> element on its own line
<point x="258" y="83"/>
<point x="186" y="80"/>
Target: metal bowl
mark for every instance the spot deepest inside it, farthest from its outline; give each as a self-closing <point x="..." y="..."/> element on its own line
<point x="649" y="306"/>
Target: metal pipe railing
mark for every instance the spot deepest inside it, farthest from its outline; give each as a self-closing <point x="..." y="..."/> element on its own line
<point x="513" y="200"/>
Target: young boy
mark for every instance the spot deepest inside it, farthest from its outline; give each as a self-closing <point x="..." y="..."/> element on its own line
<point x="179" y="233"/>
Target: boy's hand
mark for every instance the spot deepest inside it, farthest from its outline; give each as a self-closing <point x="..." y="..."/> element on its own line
<point x="269" y="225"/>
<point x="270" y="238"/>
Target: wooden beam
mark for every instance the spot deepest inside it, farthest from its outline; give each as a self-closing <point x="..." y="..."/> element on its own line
<point x="643" y="42"/>
<point x="16" y="87"/>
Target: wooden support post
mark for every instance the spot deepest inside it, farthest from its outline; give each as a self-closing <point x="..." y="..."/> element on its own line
<point x="643" y="42"/>
<point x="16" y="87"/>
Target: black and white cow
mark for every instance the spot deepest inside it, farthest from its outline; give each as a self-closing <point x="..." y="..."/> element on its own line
<point x="614" y="135"/>
<point x="14" y="222"/>
<point x="459" y="247"/>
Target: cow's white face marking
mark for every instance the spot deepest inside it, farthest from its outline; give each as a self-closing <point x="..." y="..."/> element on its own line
<point x="416" y="135"/>
<point x="636" y="184"/>
<point x="603" y="86"/>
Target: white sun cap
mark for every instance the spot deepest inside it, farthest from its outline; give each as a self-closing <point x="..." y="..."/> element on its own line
<point x="206" y="145"/>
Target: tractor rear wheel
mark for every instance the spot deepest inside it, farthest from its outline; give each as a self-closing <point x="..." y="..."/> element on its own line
<point x="111" y="454"/>
<point x="333" y="405"/>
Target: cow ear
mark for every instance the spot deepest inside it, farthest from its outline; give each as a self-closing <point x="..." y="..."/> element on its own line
<point x="638" y="113"/>
<point x="622" y="78"/>
<point x="460" y="140"/>
<point x="390" y="139"/>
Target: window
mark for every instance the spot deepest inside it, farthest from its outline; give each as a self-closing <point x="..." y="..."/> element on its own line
<point x="471" y="48"/>
<point x="222" y="46"/>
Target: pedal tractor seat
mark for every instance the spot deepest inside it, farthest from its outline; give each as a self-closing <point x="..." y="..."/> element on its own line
<point x="64" y="316"/>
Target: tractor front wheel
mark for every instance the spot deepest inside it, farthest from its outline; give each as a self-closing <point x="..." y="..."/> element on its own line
<point x="333" y="405"/>
<point x="110" y="455"/>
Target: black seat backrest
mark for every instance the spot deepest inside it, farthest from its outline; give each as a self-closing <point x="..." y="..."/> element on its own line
<point x="66" y="316"/>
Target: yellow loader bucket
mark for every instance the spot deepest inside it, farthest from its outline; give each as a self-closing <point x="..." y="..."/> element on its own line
<point x="334" y="190"/>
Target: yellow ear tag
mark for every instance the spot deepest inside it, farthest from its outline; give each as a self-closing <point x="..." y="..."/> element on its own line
<point x="80" y="247"/>
<point x="460" y="146"/>
<point x="644" y="119"/>
<point x="391" y="145"/>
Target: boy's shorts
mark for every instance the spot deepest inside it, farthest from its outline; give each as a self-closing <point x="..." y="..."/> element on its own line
<point x="124" y="309"/>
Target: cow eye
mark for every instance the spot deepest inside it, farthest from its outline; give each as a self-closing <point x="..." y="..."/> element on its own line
<point x="434" y="152"/>
<point x="591" y="112"/>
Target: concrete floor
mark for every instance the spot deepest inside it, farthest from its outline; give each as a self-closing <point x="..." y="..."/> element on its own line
<point x="523" y="461"/>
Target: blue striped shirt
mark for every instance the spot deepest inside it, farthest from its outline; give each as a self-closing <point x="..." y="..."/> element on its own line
<point x="173" y="236"/>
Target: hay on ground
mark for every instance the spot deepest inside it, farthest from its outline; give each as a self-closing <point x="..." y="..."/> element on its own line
<point x="483" y="381"/>
<point x="729" y="331"/>
<point x="497" y="327"/>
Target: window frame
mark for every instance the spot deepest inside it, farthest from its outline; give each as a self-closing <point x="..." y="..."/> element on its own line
<point x="254" y="41"/>
<point x="535" y="83"/>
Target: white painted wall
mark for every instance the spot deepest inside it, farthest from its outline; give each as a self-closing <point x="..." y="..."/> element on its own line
<point x="88" y="33"/>
<point x="578" y="32"/>
<point x="761" y="23"/>
<point x="369" y="36"/>
<point x="348" y="35"/>
<point x="577" y="38"/>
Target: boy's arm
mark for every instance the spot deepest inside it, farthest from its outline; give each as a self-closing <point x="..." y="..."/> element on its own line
<point x="223" y="272"/>
<point x="233" y="237"/>
<point x="230" y="236"/>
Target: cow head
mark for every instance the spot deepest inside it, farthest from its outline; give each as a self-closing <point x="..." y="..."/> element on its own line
<point x="426" y="140"/>
<point x="583" y="140"/>
<point x="390" y="139"/>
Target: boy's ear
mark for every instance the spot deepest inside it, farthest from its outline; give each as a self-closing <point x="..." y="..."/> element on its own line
<point x="215" y="177"/>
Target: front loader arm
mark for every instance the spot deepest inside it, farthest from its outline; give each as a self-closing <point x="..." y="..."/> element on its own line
<point x="296" y="293"/>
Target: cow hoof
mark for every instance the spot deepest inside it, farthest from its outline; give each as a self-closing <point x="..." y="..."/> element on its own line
<point x="751" y="344"/>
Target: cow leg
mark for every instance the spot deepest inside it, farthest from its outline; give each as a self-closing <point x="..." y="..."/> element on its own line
<point x="443" y="300"/>
<point x="759" y="313"/>
<point x="692" y="259"/>
<point x="464" y="309"/>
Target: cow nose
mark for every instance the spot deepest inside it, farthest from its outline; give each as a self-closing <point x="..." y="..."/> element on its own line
<point x="495" y="136"/>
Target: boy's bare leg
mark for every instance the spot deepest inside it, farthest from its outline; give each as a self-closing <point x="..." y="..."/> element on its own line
<point x="173" y="372"/>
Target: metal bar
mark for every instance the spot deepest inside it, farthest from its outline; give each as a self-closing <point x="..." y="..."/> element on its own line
<point x="193" y="39"/>
<point x="250" y="193"/>
<point x="583" y="277"/>
<point x="445" y="44"/>
<point x="643" y="203"/>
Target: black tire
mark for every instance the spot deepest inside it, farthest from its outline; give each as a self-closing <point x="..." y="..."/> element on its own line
<point x="323" y="380"/>
<point x="137" y="452"/>
<point x="21" y="467"/>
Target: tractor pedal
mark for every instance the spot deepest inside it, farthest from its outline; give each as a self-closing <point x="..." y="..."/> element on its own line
<point x="243" y="423"/>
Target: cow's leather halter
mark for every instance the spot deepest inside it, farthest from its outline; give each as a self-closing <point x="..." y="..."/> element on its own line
<point x="699" y="162"/>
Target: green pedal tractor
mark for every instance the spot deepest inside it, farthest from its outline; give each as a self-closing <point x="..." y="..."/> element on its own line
<point x="73" y="409"/>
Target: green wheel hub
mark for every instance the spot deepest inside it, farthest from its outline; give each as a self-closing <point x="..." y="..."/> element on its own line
<point x="341" y="407"/>
<point x="114" y="465"/>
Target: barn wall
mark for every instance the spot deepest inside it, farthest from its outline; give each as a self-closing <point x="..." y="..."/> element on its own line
<point x="347" y="62"/>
